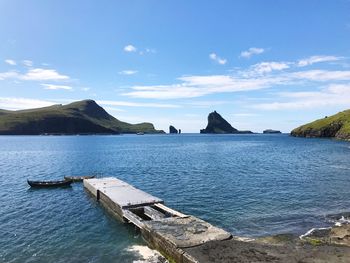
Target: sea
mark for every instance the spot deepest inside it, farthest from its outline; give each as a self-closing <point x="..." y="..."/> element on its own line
<point x="250" y="185"/>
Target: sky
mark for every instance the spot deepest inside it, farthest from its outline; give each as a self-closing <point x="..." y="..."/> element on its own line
<point x="261" y="64"/>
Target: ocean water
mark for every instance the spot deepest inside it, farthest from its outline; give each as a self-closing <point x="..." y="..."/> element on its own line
<point x="250" y="185"/>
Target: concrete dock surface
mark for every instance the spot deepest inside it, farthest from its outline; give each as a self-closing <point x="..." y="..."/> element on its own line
<point x="186" y="239"/>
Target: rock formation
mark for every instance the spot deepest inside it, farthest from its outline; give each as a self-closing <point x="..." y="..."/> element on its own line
<point x="172" y="129"/>
<point x="217" y="124"/>
<point x="270" y="131"/>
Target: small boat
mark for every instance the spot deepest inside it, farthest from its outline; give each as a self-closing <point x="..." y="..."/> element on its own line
<point x="140" y="133"/>
<point x="49" y="183"/>
<point x="78" y="178"/>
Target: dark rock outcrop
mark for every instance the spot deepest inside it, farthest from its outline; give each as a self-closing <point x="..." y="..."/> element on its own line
<point x="336" y="126"/>
<point x="172" y="129"/>
<point x="269" y="131"/>
<point x="81" y="117"/>
<point x="217" y="124"/>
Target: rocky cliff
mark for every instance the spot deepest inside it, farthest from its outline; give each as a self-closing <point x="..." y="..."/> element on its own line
<point x="172" y="129"/>
<point x="335" y="126"/>
<point x="217" y="124"/>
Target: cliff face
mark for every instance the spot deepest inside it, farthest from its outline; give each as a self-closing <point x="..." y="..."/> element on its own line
<point x="217" y="124"/>
<point x="172" y="129"/>
<point x="82" y="117"/>
<point x="336" y="126"/>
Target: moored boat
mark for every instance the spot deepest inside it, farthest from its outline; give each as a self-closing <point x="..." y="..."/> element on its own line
<point x="78" y="178"/>
<point x="49" y="183"/>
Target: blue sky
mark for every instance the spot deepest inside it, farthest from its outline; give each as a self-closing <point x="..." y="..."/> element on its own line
<point x="261" y="64"/>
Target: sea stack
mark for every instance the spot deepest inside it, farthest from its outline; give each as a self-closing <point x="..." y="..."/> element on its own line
<point x="172" y="129"/>
<point x="217" y="124"/>
<point x="270" y="131"/>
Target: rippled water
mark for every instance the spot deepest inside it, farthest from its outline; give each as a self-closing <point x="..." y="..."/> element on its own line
<point x="250" y="185"/>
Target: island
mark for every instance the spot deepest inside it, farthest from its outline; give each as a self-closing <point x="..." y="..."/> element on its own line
<point x="173" y="130"/>
<point x="80" y="117"/>
<point x="217" y="124"/>
<point x="270" y="131"/>
<point x="335" y="126"/>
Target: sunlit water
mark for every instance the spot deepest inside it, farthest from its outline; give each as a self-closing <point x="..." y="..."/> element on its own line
<point x="250" y="185"/>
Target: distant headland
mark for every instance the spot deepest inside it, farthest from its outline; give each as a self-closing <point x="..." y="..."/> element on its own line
<point x="335" y="126"/>
<point x="81" y="117"/>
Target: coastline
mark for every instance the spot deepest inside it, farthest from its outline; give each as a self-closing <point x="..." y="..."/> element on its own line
<point x="317" y="245"/>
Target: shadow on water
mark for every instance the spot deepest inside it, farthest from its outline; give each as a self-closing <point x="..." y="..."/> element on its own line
<point x="34" y="189"/>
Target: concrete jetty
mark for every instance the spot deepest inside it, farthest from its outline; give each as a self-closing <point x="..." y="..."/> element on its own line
<point x="165" y="229"/>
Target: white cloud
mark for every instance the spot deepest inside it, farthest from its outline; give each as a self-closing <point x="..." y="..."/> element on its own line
<point x="206" y="103"/>
<point x="12" y="103"/>
<point x="27" y="63"/>
<point x="43" y="74"/>
<point x="136" y="104"/>
<point x="10" y="62"/>
<point x="333" y="95"/>
<point x="56" y="87"/>
<point x="252" y="51"/>
<point x="259" y="76"/>
<point x="267" y="67"/>
<point x="113" y="109"/>
<point x="130" y="48"/>
<point x="322" y="75"/>
<point x="85" y="89"/>
<point x="317" y="59"/>
<point x="127" y="72"/>
<point x="9" y="75"/>
<point x="216" y="58"/>
<point x="196" y="86"/>
<point x="36" y="74"/>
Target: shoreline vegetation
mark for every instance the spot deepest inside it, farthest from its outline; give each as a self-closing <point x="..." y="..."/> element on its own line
<point x="336" y="126"/>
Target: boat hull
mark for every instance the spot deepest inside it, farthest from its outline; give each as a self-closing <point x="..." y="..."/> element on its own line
<point x="47" y="184"/>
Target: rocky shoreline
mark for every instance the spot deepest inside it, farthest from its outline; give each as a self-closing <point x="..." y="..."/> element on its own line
<point x="328" y="246"/>
<point x="331" y="244"/>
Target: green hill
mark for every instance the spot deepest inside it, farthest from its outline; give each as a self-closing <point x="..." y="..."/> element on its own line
<point x="336" y="126"/>
<point x="81" y="117"/>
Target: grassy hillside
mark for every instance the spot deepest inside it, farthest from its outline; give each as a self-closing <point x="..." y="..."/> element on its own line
<point x="76" y="118"/>
<point x="337" y="126"/>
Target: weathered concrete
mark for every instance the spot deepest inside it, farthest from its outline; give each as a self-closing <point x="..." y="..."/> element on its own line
<point x="165" y="229"/>
<point x="119" y="192"/>
<point x="186" y="232"/>
<point x="187" y="239"/>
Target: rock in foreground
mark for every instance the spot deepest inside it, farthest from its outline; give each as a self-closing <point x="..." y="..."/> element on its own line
<point x="280" y="248"/>
<point x="336" y="126"/>
<point x="217" y="124"/>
